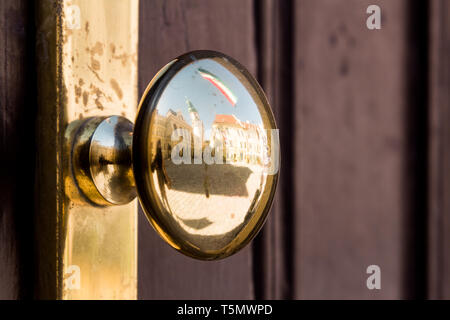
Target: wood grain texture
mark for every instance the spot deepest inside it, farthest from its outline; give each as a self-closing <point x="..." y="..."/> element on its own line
<point x="17" y="114"/>
<point x="273" y="246"/>
<point x="169" y="28"/>
<point x="355" y="155"/>
<point x="439" y="152"/>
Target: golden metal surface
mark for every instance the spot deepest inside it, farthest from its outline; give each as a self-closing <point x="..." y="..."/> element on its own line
<point x="101" y="157"/>
<point x="87" y="66"/>
<point x="205" y="155"/>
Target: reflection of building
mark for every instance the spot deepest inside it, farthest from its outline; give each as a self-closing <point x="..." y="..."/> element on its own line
<point x="241" y="141"/>
<point x="164" y="127"/>
<point x="197" y="124"/>
<point x="198" y="131"/>
<point x="255" y="142"/>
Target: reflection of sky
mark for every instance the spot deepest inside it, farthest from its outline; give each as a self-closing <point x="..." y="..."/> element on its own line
<point x="107" y="136"/>
<point x="205" y="97"/>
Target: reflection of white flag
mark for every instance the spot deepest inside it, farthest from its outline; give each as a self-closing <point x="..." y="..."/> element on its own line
<point x="219" y="85"/>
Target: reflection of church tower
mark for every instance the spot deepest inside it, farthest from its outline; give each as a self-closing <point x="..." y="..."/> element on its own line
<point x="197" y="124"/>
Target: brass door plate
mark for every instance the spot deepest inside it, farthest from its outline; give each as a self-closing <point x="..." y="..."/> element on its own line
<point x="87" y="66"/>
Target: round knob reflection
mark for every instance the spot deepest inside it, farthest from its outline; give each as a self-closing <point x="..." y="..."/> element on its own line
<point x="205" y="155"/>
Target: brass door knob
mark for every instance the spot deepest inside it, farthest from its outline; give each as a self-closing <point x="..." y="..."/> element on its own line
<point x="203" y="156"/>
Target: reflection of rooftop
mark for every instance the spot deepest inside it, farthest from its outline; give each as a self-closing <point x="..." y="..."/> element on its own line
<point x="177" y="114"/>
<point x="171" y="112"/>
<point x="191" y="107"/>
<point x="226" y="118"/>
<point x="232" y="119"/>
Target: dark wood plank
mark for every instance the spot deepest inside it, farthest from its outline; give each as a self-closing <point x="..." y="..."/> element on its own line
<point x="168" y="29"/>
<point x="273" y="246"/>
<point x="356" y="159"/>
<point x="17" y="132"/>
<point x="439" y="152"/>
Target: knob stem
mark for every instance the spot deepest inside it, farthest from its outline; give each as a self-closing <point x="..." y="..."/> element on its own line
<point x="102" y="162"/>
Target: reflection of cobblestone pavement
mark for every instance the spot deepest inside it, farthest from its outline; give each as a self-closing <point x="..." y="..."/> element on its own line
<point x="231" y="189"/>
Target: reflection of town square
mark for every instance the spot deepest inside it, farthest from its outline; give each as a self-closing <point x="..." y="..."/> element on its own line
<point x="238" y="140"/>
<point x="214" y="198"/>
<point x="211" y="199"/>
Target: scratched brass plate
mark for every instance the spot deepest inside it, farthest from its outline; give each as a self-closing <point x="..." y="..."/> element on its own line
<point x="87" y="66"/>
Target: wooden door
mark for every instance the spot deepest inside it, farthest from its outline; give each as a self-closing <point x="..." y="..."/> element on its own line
<point x="351" y="107"/>
<point x="364" y="135"/>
